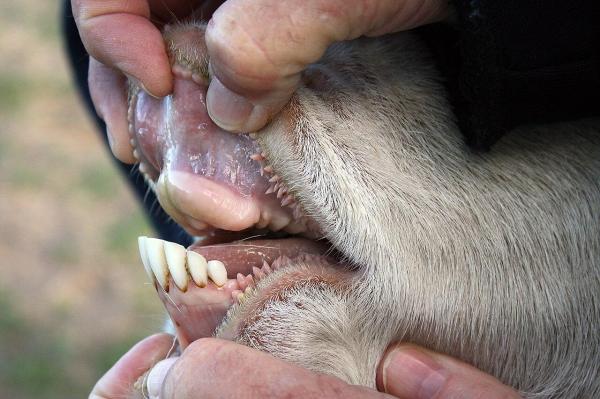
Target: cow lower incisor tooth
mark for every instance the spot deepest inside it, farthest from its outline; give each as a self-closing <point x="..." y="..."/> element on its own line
<point x="156" y="256"/>
<point x="217" y="272"/>
<point x="144" y="256"/>
<point x="175" y="255"/>
<point x="198" y="268"/>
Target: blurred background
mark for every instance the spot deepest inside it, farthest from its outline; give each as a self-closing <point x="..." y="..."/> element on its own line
<point x="73" y="294"/>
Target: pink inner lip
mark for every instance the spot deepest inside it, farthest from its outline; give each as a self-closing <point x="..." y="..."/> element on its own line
<point x="204" y="176"/>
<point x="176" y="133"/>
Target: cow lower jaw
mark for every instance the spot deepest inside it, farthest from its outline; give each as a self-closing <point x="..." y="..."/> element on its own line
<point x="200" y="284"/>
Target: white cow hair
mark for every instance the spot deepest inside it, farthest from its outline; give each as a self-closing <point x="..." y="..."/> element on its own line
<point x="493" y="258"/>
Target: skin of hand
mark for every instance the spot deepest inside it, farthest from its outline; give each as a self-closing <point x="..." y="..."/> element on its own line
<point x="213" y="368"/>
<point x="255" y="67"/>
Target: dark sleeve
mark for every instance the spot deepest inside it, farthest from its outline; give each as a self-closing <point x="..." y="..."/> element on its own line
<point x="523" y="61"/>
<point x="78" y="61"/>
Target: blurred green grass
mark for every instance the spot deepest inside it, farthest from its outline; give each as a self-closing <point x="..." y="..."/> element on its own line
<point x="117" y="236"/>
<point x="98" y="183"/>
<point x="37" y="363"/>
<point x="13" y="91"/>
<point x="33" y="364"/>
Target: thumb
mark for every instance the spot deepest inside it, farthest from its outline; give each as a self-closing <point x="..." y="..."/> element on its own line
<point x="410" y="372"/>
<point x="124" y="379"/>
<point x="258" y="48"/>
<point x="120" y="35"/>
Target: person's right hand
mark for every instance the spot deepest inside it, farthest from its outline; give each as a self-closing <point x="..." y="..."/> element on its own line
<point x="257" y="48"/>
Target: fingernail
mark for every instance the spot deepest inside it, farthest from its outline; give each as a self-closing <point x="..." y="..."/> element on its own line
<point x="139" y="83"/>
<point x="227" y="109"/>
<point x="111" y="139"/>
<point x="408" y="372"/>
<point x="157" y="375"/>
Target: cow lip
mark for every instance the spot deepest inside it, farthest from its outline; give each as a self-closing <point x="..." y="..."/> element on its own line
<point x="198" y="305"/>
<point x="202" y="175"/>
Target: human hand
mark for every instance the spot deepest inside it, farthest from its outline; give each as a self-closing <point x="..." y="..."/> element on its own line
<point x="255" y="66"/>
<point x="123" y="39"/>
<point x="212" y="368"/>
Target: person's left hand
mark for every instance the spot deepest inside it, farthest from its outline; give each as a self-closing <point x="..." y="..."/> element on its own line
<point x="213" y="368"/>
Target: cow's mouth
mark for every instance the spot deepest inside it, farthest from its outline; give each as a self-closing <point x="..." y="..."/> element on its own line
<point x="200" y="284"/>
<point x="219" y="187"/>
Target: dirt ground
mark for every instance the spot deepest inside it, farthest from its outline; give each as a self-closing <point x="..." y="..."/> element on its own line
<point x="73" y="294"/>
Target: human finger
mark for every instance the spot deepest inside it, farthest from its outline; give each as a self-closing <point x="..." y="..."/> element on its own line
<point x="258" y="48"/>
<point x="108" y="89"/>
<point x="120" y="35"/>
<point x="409" y="372"/>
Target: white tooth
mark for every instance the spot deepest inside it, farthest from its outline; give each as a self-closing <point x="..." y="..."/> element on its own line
<point x="144" y="256"/>
<point x="198" y="268"/>
<point x="279" y="221"/>
<point x="217" y="272"/>
<point x="175" y="255"/>
<point x="158" y="262"/>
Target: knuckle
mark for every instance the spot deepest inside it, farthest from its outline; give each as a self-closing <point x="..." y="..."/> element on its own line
<point x="203" y="354"/>
<point x="243" y="53"/>
<point x="204" y="350"/>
